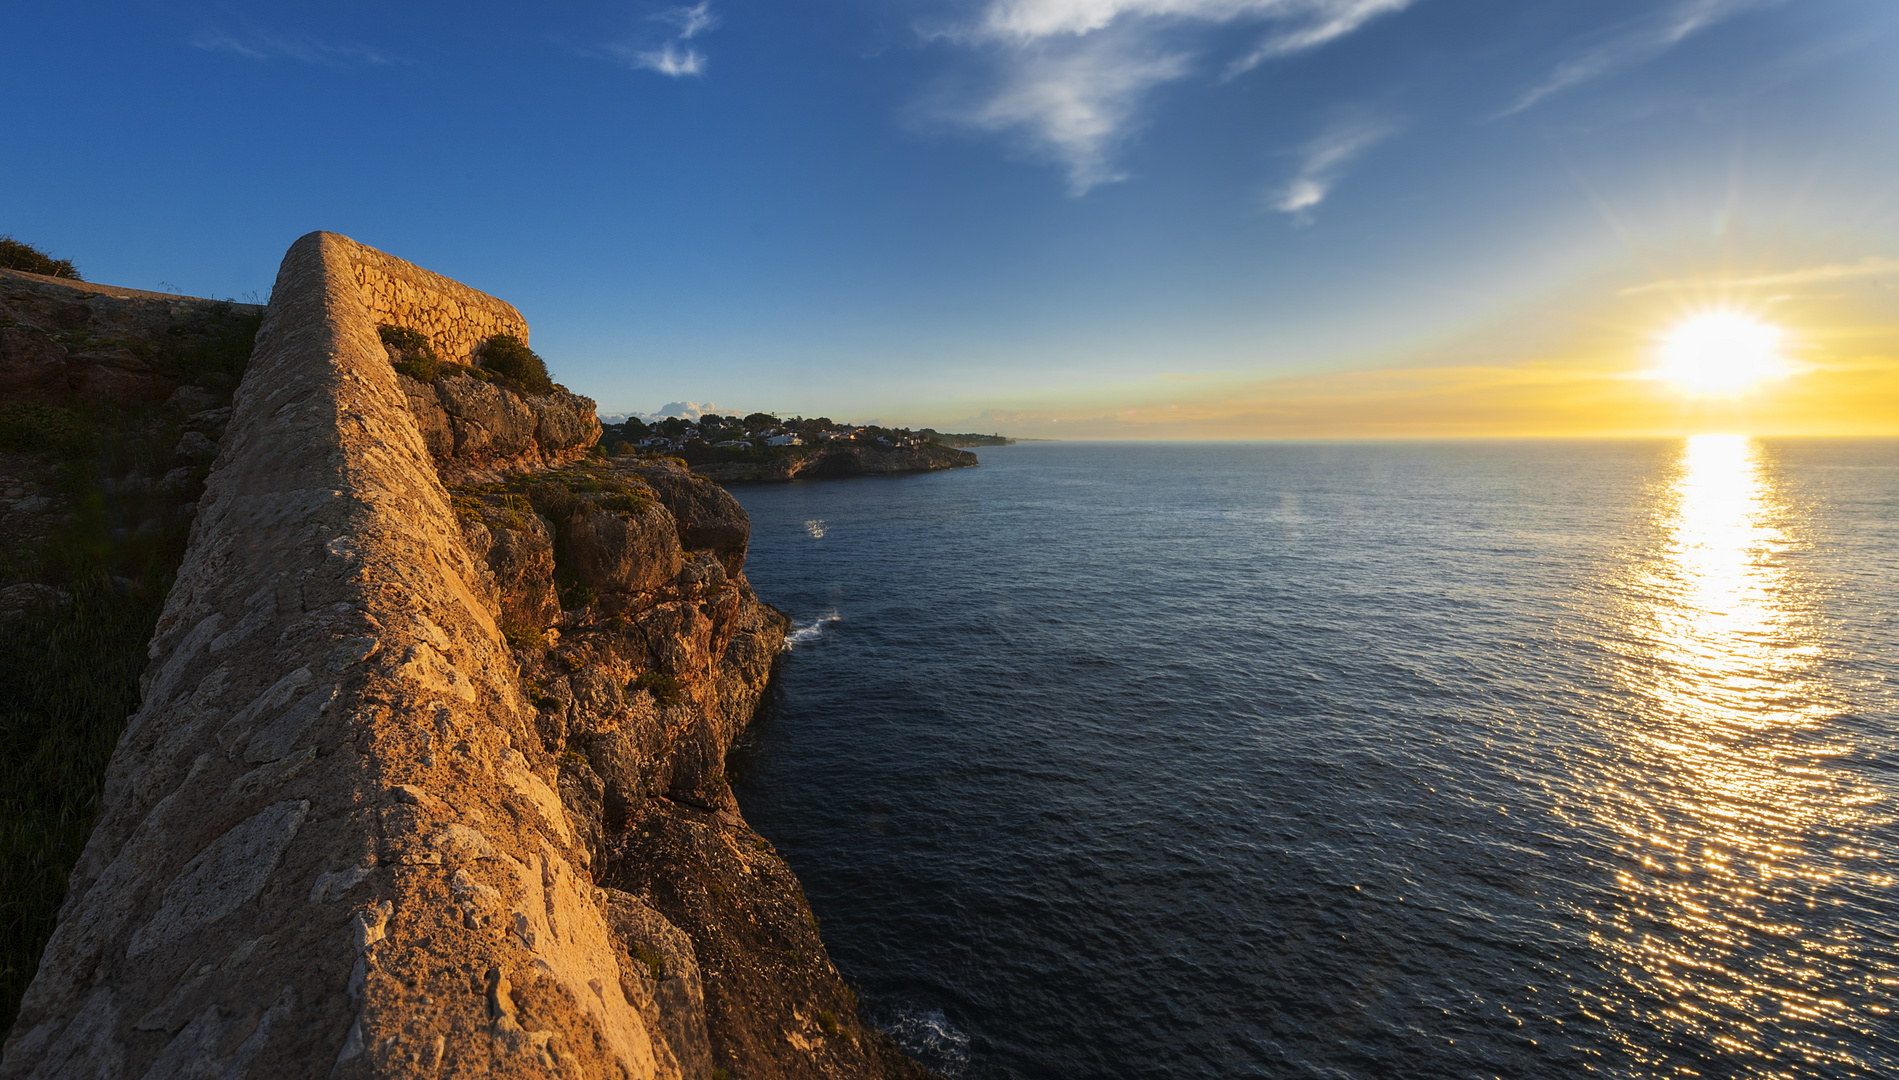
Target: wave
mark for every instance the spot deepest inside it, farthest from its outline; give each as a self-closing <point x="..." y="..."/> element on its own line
<point x="930" y="1037"/>
<point x="800" y="634"/>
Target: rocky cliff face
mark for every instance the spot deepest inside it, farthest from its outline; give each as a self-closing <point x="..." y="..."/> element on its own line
<point x="427" y="780"/>
<point x="80" y="345"/>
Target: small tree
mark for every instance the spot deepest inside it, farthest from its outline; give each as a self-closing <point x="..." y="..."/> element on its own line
<point x="505" y="354"/>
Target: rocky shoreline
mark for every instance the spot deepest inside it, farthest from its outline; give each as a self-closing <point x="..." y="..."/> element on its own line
<point x="847" y="460"/>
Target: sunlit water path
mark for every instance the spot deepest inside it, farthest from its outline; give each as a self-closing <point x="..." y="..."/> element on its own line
<point x="1438" y="760"/>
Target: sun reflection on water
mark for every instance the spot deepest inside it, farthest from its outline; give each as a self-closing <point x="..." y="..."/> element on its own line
<point x="1727" y="805"/>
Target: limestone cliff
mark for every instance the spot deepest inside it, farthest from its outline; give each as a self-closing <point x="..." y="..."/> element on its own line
<point x="429" y="780"/>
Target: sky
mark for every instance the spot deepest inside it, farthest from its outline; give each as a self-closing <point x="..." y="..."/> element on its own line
<point x="1055" y="218"/>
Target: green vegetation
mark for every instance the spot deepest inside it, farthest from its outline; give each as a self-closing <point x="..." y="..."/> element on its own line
<point x="655" y="963"/>
<point x="561" y="493"/>
<point x="412" y="353"/>
<point x="69" y="670"/>
<point x="575" y="593"/>
<point x="521" y="635"/>
<point x="16" y="255"/>
<point x="41" y="429"/>
<point x="664" y="688"/>
<point x="827" y="1022"/>
<point x="507" y="355"/>
<point x="68" y="680"/>
<point x="402" y="339"/>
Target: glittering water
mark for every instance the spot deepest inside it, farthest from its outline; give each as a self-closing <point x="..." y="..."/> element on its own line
<point x="1535" y="759"/>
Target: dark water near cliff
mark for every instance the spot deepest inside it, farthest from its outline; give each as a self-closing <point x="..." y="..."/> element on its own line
<point x="1532" y="759"/>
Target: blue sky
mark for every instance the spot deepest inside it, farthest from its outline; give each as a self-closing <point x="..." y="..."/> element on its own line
<point x="1011" y="214"/>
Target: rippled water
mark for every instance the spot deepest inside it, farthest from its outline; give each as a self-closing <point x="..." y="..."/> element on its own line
<point x="1311" y="760"/>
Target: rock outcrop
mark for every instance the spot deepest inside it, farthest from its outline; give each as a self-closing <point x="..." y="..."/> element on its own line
<point x="853" y="459"/>
<point x="75" y="344"/>
<point x="478" y="430"/>
<point x="427" y="780"/>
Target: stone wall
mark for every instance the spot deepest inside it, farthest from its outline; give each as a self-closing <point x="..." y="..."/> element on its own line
<point x="456" y="318"/>
<point x="329" y="842"/>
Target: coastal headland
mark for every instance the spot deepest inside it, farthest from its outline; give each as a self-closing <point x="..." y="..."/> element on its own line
<point x="427" y="771"/>
<point x="762" y="448"/>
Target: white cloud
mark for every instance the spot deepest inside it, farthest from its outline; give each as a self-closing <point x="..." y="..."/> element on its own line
<point x="670" y="59"/>
<point x="1030" y="19"/>
<point x="1323" y="164"/>
<point x="1071" y="75"/>
<point x="673" y="56"/>
<point x="690" y="21"/>
<point x="1636" y="43"/>
<point x="685" y="410"/>
<point x="1334" y="21"/>
<point x="1076" y="103"/>
<point x="262" y="45"/>
<point x="1870" y="266"/>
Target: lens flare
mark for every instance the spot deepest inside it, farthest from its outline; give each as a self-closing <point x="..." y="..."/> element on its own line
<point x="1721" y="353"/>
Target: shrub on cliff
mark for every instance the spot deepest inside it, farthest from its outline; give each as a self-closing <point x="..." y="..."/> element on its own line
<point x="509" y="356"/>
<point x="664" y="688"/>
<point x="411" y="352"/>
<point x="15" y="255"/>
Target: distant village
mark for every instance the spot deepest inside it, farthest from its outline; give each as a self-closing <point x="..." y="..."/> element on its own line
<point x="713" y="437"/>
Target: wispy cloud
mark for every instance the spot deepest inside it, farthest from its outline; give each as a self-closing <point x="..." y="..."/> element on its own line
<point x="1636" y="43"/>
<point x="1324" y="162"/>
<point x="1870" y="266"/>
<point x="1076" y="103"/>
<point x="264" y="45"/>
<point x="673" y="56"/>
<point x="1071" y="76"/>
<point x="1323" y="24"/>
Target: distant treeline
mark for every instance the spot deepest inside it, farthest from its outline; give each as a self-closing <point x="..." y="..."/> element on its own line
<point x="766" y="432"/>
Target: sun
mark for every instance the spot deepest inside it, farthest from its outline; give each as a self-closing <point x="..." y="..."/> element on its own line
<point x="1721" y="353"/>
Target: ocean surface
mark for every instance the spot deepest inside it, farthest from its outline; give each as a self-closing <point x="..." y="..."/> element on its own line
<point x="1395" y="760"/>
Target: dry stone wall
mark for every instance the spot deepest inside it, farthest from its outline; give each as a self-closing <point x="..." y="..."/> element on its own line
<point x="455" y="318"/>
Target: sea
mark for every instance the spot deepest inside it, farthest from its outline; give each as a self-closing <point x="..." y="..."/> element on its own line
<point x="1437" y="759"/>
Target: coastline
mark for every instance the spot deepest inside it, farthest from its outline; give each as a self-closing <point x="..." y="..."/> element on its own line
<point x="830" y="463"/>
<point x="429" y="768"/>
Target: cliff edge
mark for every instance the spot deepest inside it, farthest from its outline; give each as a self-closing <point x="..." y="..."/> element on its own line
<point x="427" y="778"/>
